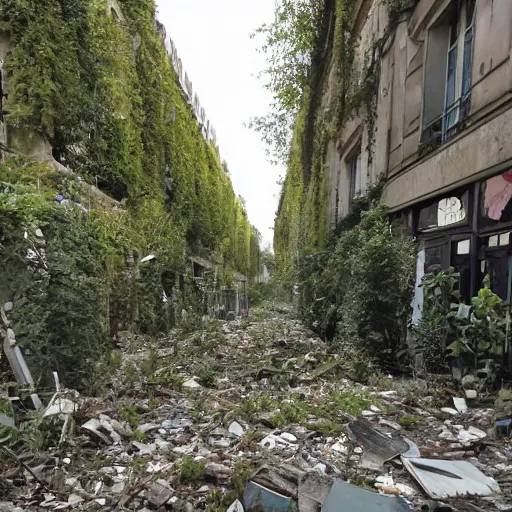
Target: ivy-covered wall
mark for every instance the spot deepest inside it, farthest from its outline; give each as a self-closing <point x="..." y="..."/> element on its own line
<point x="338" y="106"/>
<point x="302" y="226"/>
<point x="103" y="93"/>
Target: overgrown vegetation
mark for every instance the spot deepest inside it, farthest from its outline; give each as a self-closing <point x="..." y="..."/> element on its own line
<point x="289" y="43"/>
<point x="360" y="291"/>
<point x="105" y="96"/>
<point x="470" y="337"/>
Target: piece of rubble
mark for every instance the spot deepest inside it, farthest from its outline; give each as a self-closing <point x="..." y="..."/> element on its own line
<point x="339" y="447"/>
<point x="75" y="499"/>
<point x="447" y="435"/>
<point x="159" y="493"/>
<point x="378" y="447"/>
<point x="62" y="406"/>
<point x="442" y="479"/>
<point x="219" y="438"/>
<point x="236" y="429"/>
<point x="313" y="490"/>
<point x="480" y="434"/>
<point x="93" y="426"/>
<point x="217" y="471"/>
<point x="144" y="449"/>
<point x="471" y="394"/>
<point x="191" y="384"/>
<point x="280" y="442"/>
<point x="450" y="410"/>
<point x="391" y="424"/>
<point x="236" y="506"/>
<point x="147" y="427"/>
<point x="344" y="497"/>
<point x="9" y="507"/>
<point x="257" y="497"/>
<point x="6" y="421"/>
<point x="122" y="430"/>
<point x="290" y="438"/>
<point x="413" y="450"/>
<point x="460" y="404"/>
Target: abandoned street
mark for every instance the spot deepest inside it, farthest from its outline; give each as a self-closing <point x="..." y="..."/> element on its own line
<point x="260" y="410"/>
<point x="256" y="256"/>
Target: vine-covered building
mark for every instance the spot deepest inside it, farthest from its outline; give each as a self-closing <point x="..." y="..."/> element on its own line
<point x="418" y="92"/>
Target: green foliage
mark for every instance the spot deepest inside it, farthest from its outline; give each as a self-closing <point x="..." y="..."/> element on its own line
<point x="192" y="471"/>
<point x="431" y="335"/>
<point x="410" y="421"/>
<point x="242" y="472"/>
<point x="361" y="290"/>
<point x="471" y="336"/>
<point x="289" y="42"/>
<point x="130" y="414"/>
<point x="480" y="331"/>
<point x="102" y="93"/>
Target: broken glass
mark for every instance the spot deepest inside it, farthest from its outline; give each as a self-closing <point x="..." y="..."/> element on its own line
<point x="445" y="212"/>
<point x="450" y="211"/>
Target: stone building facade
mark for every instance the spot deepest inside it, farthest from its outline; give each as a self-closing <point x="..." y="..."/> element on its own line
<point x="440" y="133"/>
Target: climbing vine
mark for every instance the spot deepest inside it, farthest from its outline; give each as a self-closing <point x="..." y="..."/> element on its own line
<point x="104" y="94"/>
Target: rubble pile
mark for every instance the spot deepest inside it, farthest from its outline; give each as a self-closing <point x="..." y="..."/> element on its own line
<point x="258" y="413"/>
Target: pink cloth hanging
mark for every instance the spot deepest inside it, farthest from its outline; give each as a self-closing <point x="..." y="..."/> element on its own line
<point x="498" y="192"/>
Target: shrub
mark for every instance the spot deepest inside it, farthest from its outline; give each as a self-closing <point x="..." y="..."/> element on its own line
<point x="360" y="291"/>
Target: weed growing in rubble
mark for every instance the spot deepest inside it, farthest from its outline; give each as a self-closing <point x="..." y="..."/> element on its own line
<point x="256" y="404"/>
<point x="351" y="402"/>
<point x="242" y="472"/>
<point x="139" y="436"/>
<point x="410" y="421"/>
<point x="149" y="365"/>
<point x="192" y="471"/>
<point x="167" y="378"/>
<point x="327" y="428"/>
<point x="131" y="374"/>
<point x="295" y="412"/>
<point x="130" y="414"/>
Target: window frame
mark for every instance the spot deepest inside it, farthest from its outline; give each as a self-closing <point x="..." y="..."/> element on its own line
<point x="457" y="110"/>
<point x="354" y="169"/>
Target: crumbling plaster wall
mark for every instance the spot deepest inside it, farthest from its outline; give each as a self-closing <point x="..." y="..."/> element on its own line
<point x="481" y="147"/>
<point x="395" y="149"/>
<point x="371" y="21"/>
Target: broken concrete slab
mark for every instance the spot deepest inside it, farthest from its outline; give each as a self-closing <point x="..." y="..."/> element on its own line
<point x="460" y="404"/>
<point x="314" y="488"/>
<point x="257" y="497"/>
<point x="236" y="429"/>
<point x="94" y="428"/>
<point x="144" y="449"/>
<point x="236" y="506"/>
<point x="61" y="405"/>
<point x="345" y="497"/>
<point x="378" y="447"/>
<point x="442" y="479"/>
<point x="191" y="384"/>
<point x="159" y="493"/>
<point x="6" y="421"/>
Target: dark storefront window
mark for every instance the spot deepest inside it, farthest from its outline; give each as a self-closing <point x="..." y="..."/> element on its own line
<point x="494" y="261"/>
<point x="461" y="260"/>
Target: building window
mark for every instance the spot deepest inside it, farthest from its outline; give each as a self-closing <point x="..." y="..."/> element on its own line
<point x="447" y="86"/>
<point x="458" y="69"/>
<point x="449" y="211"/>
<point x="355" y="176"/>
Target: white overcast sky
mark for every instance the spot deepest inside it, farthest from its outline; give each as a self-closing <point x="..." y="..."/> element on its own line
<point x="212" y="40"/>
